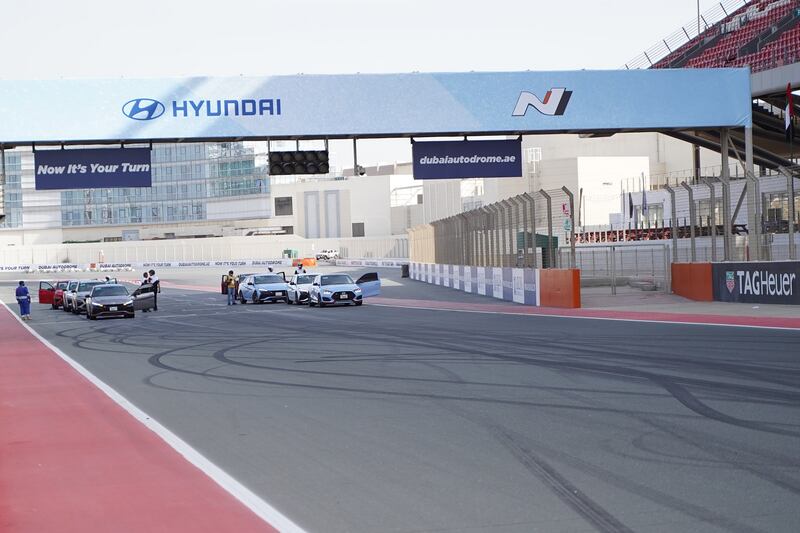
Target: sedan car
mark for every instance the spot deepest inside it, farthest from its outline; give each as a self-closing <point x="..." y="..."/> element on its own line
<point x="109" y="300"/>
<point x="259" y="288"/>
<point x="78" y="299"/>
<point x="340" y="289"/>
<point x="68" y="295"/>
<point x="299" y="287"/>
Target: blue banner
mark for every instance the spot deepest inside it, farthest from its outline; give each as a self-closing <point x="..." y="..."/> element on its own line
<point x="311" y="106"/>
<point x="467" y="159"/>
<point x="103" y="168"/>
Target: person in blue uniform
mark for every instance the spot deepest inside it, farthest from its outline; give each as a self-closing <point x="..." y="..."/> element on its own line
<point x="24" y="301"/>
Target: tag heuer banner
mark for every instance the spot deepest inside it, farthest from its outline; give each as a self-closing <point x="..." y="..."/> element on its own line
<point x="776" y="282"/>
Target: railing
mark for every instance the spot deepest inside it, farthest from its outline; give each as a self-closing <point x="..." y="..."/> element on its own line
<point x="685" y="34"/>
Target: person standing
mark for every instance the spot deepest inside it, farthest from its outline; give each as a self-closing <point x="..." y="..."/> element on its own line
<point x="156" y="288"/>
<point x="24" y="301"/>
<point x="230" y="283"/>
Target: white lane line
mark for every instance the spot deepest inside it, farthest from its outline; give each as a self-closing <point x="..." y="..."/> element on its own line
<point x="235" y="488"/>
<point x="616" y="319"/>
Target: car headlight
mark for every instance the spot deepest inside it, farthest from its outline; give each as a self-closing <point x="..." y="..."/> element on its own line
<point x="357" y="290"/>
<point x="129" y="302"/>
<point x="326" y="293"/>
<point x="96" y="304"/>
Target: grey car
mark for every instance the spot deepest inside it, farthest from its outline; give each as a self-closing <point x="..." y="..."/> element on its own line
<point x="109" y="300"/>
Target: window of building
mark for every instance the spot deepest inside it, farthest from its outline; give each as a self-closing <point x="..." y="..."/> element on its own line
<point x="288" y="230"/>
<point x="358" y="229"/>
<point x="283" y="206"/>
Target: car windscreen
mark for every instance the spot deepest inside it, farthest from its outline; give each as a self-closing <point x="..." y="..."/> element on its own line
<point x="304" y="280"/>
<point x="262" y="280"/>
<point x="87" y="285"/>
<point x="109" y="290"/>
<point x="61" y="285"/>
<point x="73" y="285"/>
<point x="336" y="279"/>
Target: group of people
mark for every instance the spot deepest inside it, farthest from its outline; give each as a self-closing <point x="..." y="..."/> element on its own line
<point x="24" y="296"/>
<point x="150" y="278"/>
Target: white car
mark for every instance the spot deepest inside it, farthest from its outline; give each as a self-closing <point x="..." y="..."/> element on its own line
<point x="327" y="255"/>
<point x="267" y="287"/>
<point x="299" y="287"/>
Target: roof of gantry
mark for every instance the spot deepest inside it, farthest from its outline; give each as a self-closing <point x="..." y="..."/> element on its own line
<point x="371" y="105"/>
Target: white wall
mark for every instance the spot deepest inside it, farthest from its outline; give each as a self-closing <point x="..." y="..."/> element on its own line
<point x="599" y="177"/>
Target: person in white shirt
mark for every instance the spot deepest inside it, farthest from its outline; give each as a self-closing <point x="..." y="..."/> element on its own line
<point x="156" y="288"/>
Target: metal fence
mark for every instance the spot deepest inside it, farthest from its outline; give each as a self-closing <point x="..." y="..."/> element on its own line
<point x="523" y="231"/>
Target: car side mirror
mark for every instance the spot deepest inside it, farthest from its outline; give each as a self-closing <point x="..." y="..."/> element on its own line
<point x="316" y="284"/>
<point x="250" y="283"/>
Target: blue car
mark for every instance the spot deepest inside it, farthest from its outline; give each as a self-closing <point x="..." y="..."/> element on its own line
<point x="340" y="289"/>
<point x="258" y="288"/>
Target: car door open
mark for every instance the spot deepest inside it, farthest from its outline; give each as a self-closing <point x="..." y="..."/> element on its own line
<point x="370" y="284"/>
<point x="46" y="292"/>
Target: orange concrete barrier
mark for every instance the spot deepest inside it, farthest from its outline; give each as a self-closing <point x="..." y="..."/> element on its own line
<point x="560" y="287"/>
<point x="306" y="262"/>
<point x="693" y="281"/>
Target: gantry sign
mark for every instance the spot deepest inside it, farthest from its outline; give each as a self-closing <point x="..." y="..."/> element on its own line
<point x="128" y="111"/>
<point x="371" y="105"/>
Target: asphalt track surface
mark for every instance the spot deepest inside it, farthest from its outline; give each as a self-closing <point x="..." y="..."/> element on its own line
<point x="384" y="419"/>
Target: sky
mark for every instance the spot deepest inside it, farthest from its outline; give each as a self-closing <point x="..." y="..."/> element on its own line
<point x="51" y="39"/>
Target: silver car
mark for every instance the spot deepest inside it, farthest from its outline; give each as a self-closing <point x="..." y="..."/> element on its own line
<point x="299" y="288"/>
<point x="267" y="287"/>
<point x="340" y="289"/>
<point x="69" y="295"/>
<point x="84" y="288"/>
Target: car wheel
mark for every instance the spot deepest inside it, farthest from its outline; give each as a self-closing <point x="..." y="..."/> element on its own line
<point x="359" y="303"/>
<point x="321" y="303"/>
<point x="255" y="297"/>
<point x="241" y="298"/>
<point x="130" y="315"/>
<point x="53" y="305"/>
<point x="311" y="302"/>
<point x="288" y="301"/>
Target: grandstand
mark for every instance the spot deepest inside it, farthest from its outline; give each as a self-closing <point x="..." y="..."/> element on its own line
<point x="763" y="35"/>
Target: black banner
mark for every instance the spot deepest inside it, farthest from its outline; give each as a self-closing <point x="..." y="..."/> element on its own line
<point x="88" y="168"/>
<point x="774" y="282"/>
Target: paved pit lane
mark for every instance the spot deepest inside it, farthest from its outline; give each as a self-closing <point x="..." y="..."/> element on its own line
<point x="382" y="419"/>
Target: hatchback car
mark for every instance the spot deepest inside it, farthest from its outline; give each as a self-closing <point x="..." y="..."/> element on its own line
<point x="299" y="287"/>
<point x="340" y="289"/>
<point x="109" y="300"/>
<point x="259" y="288"/>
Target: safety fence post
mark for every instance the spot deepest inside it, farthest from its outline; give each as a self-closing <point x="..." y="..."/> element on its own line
<point x="550" y="250"/>
<point x="692" y="220"/>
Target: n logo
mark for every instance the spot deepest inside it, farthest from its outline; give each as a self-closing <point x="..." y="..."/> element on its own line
<point x="554" y="103"/>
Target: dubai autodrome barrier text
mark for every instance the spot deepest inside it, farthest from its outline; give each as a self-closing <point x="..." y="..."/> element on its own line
<point x="372" y="262"/>
<point x="74" y="267"/>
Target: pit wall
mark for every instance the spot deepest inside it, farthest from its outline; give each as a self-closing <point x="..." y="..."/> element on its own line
<point x="759" y="282"/>
<point x="541" y="287"/>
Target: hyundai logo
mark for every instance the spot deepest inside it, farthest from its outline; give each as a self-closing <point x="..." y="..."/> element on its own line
<point x="143" y="109"/>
